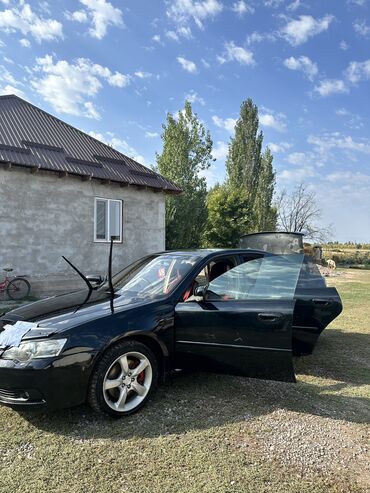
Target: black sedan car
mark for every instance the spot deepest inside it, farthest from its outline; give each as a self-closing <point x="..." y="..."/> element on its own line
<point x="238" y="311"/>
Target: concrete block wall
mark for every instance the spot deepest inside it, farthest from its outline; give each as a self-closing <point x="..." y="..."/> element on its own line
<point x="43" y="217"/>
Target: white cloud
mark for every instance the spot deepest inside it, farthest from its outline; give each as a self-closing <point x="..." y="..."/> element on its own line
<point x="237" y="54"/>
<point x="343" y="45"/>
<point x="358" y="71"/>
<point x="273" y="3"/>
<point x="25" y="43"/>
<point x="362" y="28"/>
<point x="351" y="120"/>
<point x="298" y="31"/>
<point x="185" y="32"/>
<point x="227" y="124"/>
<point x="9" y="89"/>
<point x="297" y="175"/>
<point x="304" y="64"/>
<point x="119" y="144"/>
<point x="101" y="14"/>
<point x="335" y="140"/>
<point x="90" y="110"/>
<point x="256" y="37"/>
<point x="143" y="75"/>
<point x="220" y="150"/>
<point x="24" y="20"/>
<point x="294" y="5"/>
<point x="342" y="112"/>
<point x="151" y="135"/>
<point x="360" y="3"/>
<point x="172" y="35"/>
<point x="304" y="166"/>
<point x="327" y="87"/>
<point x="77" y="16"/>
<point x="298" y="158"/>
<point x="280" y="147"/>
<point x="187" y="65"/>
<point x="181" y="32"/>
<point x="10" y="85"/>
<point x="6" y="76"/>
<point x="193" y="97"/>
<point x="67" y="87"/>
<point x="183" y="11"/>
<point x="157" y="38"/>
<point x="353" y="177"/>
<point x="241" y="8"/>
<point x="273" y="120"/>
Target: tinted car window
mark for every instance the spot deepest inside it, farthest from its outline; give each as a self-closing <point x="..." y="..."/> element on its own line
<point x="310" y="276"/>
<point x="271" y="277"/>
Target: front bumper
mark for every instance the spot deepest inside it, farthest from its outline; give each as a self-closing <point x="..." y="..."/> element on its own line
<point x="45" y="383"/>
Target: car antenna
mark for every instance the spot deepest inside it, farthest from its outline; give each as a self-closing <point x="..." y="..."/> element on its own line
<point x="79" y="273"/>
<point x="111" y="289"/>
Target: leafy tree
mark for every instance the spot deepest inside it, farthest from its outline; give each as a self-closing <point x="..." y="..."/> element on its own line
<point x="244" y="159"/>
<point x="266" y="214"/>
<point x="243" y="204"/>
<point x="229" y="216"/>
<point x="187" y="151"/>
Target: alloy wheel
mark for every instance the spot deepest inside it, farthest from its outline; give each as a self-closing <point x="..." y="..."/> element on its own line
<point x="127" y="381"/>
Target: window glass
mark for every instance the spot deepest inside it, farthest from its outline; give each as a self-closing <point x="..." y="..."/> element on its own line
<point x="310" y="277"/>
<point x="101" y="220"/>
<point x="159" y="277"/>
<point x="115" y="219"/>
<point x="271" y="277"/>
<point x="108" y="220"/>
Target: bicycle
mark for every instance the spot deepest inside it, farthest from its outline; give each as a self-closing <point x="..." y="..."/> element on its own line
<point x="16" y="288"/>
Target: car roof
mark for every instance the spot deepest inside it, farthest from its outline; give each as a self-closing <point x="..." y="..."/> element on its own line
<point x="211" y="252"/>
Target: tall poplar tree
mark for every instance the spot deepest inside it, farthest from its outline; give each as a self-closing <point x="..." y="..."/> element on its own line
<point x="243" y="163"/>
<point x="266" y="214"/>
<point x="187" y="150"/>
<point x="244" y="201"/>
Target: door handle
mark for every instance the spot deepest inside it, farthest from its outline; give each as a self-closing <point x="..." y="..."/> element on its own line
<point x="270" y="317"/>
<point x="320" y="301"/>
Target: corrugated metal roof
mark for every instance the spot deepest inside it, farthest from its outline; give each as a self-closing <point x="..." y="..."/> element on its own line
<point x="33" y="138"/>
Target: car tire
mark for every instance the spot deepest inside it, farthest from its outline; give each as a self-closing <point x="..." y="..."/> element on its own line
<point x="123" y="380"/>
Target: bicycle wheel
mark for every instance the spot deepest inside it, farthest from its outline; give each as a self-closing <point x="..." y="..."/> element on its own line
<point x="18" y="289"/>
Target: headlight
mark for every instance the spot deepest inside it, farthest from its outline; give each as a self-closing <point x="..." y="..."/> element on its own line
<point x="35" y="350"/>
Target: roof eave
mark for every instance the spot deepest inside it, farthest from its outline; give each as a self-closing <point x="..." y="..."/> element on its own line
<point x="62" y="174"/>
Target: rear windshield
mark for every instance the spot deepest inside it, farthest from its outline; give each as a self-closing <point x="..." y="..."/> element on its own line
<point x="278" y="243"/>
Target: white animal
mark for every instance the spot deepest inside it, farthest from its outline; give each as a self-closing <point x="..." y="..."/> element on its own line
<point x="331" y="264"/>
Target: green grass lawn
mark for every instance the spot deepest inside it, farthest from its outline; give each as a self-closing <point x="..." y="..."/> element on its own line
<point x="216" y="433"/>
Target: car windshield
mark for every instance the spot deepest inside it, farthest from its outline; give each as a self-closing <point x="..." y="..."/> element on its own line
<point x="158" y="278"/>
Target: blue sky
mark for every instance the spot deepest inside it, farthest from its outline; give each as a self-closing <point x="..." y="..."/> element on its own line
<point x="114" y="69"/>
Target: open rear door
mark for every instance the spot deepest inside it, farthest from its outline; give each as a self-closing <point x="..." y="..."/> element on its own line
<point x="244" y="323"/>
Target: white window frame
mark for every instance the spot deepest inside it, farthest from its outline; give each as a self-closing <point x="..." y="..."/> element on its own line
<point x="108" y="201"/>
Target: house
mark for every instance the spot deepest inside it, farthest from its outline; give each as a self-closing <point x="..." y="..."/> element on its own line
<point x="62" y="192"/>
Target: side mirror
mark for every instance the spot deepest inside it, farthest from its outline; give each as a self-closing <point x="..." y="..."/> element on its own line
<point x="95" y="279"/>
<point x="201" y="291"/>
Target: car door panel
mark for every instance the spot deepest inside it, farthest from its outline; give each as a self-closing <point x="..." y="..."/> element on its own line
<point x="244" y="337"/>
<point x="244" y="320"/>
<point x="315" y="309"/>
